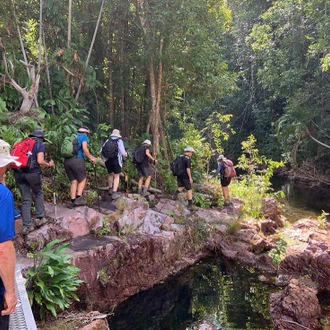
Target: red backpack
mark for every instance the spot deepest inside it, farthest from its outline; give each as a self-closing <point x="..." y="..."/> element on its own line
<point x="229" y="169"/>
<point x="23" y="150"/>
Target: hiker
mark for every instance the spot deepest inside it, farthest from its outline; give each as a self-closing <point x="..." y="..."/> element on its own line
<point x="143" y="168"/>
<point x="75" y="168"/>
<point x="29" y="180"/>
<point x="8" y="298"/>
<point x="185" y="179"/>
<point x="114" y="163"/>
<point x="225" y="181"/>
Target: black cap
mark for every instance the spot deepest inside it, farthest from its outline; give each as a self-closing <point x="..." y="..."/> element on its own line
<point x="38" y="133"/>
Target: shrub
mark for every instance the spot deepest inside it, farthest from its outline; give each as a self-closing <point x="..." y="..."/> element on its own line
<point x="52" y="281"/>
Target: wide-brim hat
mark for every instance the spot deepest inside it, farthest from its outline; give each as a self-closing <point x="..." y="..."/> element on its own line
<point x="148" y="142"/>
<point x="39" y="133"/>
<point x="5" y="156"/>
<point x="221" y="157"/>
<point x="116" y="133"/>
<point x="84" y="129"/>
<point x="191" y="149"/>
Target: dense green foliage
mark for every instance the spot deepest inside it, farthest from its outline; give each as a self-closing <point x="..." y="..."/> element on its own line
<point x="52" y="281"/>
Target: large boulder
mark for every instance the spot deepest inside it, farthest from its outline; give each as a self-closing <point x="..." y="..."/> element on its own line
<point x="297" y="307"/>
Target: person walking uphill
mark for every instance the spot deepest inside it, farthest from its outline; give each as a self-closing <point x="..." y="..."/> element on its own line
<point x="75" y="168"/>
<point x="29" y="179"/>
<point x="185" y="178"/>
<point x="224" y="179"/>
<point x="8" y="299"/>
<point x="113" y="151"/>
<point x="143" y="167"/>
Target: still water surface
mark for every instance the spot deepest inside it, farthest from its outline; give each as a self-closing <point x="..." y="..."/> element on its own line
<point x="227" y="297"/>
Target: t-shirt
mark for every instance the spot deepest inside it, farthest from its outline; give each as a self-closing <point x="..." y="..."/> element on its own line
<point x="38" y="147"/>
<point x="186" y="164"/>
<point x="82" y="137"/>
<point x="145" y="162"/>
<point x="7" y="219"/>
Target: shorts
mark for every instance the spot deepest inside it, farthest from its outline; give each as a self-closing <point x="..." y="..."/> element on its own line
<point x="143" y="171"/>
<point x="75" y="169"/>
<point x="113" y="166"/>
<point x="225" y="181"/>
<point x="183" y="181"/>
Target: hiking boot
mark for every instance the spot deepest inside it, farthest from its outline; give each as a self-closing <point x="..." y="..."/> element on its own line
<point x="175" y="196"/>
<point x="40" y="221"/>
<point x="145" y="192"/>
<point x="139" y="191"/>
<point x="110" y="191"/>
<point x="115" y="195"/>
<point x="80" y="201"/>
<point x="70" y="205"/>
<point x="27" y="229"/>
<point x="226" y="202"/>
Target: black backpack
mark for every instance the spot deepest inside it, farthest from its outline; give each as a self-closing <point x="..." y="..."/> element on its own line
<point x="177" y="166"/>
<point x="138" y="155"/>
<point x="109" y="149"/>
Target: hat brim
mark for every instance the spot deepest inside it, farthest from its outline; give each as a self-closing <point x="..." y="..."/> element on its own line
<point x="115" y="135"/>
<point x="6" y="161"/>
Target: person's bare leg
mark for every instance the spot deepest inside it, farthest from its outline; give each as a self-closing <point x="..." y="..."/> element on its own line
<point x="110" y="180"/>
<point x="73" y="189"/>
<point x="115" y="182"/>
<point x="81" y="187"/>
<point x="147" y="183"/>
<point x="225" y="191"/>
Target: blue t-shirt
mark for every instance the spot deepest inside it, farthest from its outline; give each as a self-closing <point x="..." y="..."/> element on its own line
<point x="82" y="137"/>
<point x="7" y="219"/>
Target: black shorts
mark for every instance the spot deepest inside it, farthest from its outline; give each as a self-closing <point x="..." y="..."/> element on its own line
<point x="183" y="181"/>
<point x="75" y="169"/>
<point x="113" y="166"/>
<point x="225" y="181"/>
<point x="144" y="171"/>
<point x="4" y="320"/>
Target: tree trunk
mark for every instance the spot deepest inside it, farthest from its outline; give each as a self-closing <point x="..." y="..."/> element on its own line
<point x="111" y="95"/>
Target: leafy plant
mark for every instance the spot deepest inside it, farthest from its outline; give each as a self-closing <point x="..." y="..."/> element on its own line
<point x="105" y="230"/>
<point x="201" y="201"/>
<point x="52" y="281"/>
<point x="277" y="253"/>
<point x="322" y="219"/>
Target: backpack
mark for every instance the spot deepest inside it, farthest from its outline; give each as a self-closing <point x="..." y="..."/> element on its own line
<point x="109" y="149"/>
<point x="23" y="150"/>
<point x="70" y="146"/>
<point x="229" y="171"/>
<point x="138" y="155"/>
<point x="177" y="166"/>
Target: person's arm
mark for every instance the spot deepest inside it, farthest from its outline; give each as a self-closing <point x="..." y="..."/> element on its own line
<point x="7" y="274"/>
<point x="217" y="171"/>
<point x="150" y="156"/>
<point x="87" y="153"/>
<point x="121" y="148"/>
<point x="41" y="160"/>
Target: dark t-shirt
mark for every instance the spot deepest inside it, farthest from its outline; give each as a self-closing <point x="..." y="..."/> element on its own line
<point x="145" y="162"/>
<point x="187" y="164"/>
<point x="38" y="147"/>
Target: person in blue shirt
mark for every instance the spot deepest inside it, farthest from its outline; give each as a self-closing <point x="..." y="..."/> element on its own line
<point x="75" y="168"/>
<point x="8" y="298"/>
<point x="29" y="181"/>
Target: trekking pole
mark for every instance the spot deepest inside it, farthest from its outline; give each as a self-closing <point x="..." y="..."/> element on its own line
<point x="53" y="188"/>
<point x="97" y="189"/>
<point x="126" y="176"/>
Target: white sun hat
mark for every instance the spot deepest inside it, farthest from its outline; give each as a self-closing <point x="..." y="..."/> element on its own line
<point x="148" y="142"/>
<point x="116" y="133"/>
<point x="5" y="156"/>
<point x="191" y="149"/>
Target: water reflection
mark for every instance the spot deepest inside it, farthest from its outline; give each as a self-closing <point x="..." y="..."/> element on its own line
<point x="228" y="298"/>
